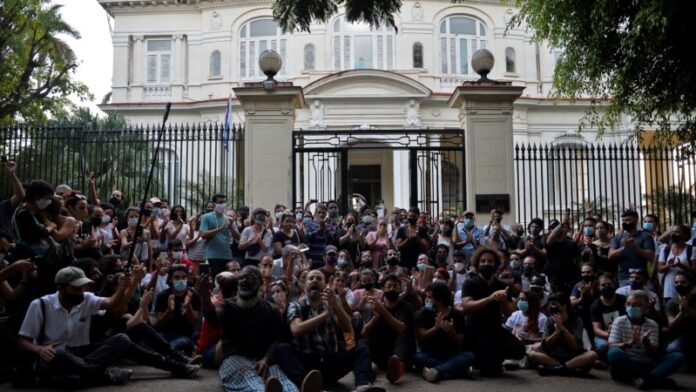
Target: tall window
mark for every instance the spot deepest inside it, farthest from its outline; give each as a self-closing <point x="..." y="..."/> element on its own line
<point x="510" y="60"/>
<point x="255" y="37"/>
<point x="215" y="63"/>
<point x="159" y="61"/>
<point x="418" y="55"/>
<point x="460" y="37"/>
<point x="356" y="45"/>
<point x="309" y="57"/>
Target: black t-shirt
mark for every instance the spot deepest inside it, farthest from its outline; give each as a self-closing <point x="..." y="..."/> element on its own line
<point x="490" y="317"/>
<point x="607" y="314"/>
<point x="409" y="254"/>
<point x="351" y="245"/>
<point x="383" y="333"/>
<point x="178" y="324"/>
<point x="561" y="266"/>
<point x="6" y="212"/>
<point x="441" y="342"/>
<point x="293" y="239"/>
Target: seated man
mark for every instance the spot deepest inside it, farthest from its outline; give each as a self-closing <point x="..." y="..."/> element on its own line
<point x="177" y="309"/>
<point x="681" y="315"/>
<point x="634" y="353"/>
<point x="389" y="329"/>
<point x="638" y="279"/>
<point x="562" y="349"/>
<point x="605" y="309"/>
<point x="251" y="329"/>
<point x="315" y="321"/>
<point x="485" y="300"/>
<point x="441" y="338"/>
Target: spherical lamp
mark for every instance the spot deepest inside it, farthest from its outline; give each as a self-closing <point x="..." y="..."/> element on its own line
<point x="270" y="63"/>
<point x="482" y="62"/>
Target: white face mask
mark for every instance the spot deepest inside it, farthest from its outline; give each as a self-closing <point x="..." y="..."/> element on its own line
<point x="459" y="267"/>
<point x="438" y="280"/>
<point x="220" y="208"/>
<point x="43" y="203"/>
<point x="177" y="255"/>
<point x="106" y="219"/>
<point x="132" y="221"/>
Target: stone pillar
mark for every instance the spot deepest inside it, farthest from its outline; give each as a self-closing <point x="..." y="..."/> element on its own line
<point x="485" y="114"/>
<point x="136" y="90"/>
<point x="179" y="52"/>
<point x="269" y="122"/>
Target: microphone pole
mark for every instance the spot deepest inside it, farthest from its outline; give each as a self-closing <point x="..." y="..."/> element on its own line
<point x="139" y="227"/>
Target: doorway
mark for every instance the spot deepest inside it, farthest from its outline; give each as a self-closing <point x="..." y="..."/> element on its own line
<point x="366" y="180"/>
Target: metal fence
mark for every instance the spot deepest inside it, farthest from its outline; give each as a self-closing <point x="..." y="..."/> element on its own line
<point x="194" y="162"/>
<point x="607" y="178"/>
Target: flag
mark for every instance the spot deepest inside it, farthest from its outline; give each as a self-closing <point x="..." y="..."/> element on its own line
<point x="226" y="125"/>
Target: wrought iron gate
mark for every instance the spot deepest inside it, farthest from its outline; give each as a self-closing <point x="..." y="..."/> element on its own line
<point x="429" y="161"/>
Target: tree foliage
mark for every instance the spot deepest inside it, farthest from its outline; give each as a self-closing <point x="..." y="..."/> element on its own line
<point x="631" y="55"/>
<point x="299" y="14"/>
<point x="37" y="65"/>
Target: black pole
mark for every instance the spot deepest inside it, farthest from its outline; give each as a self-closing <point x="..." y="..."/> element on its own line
<point x="139" y="227"/>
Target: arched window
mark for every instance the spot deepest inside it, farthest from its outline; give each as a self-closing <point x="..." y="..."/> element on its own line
<point x="309" y="57"/>
<point x="255" y="37"/>
<point x="510" y="60"/>
<point x="356" y="45"/>
<point x="460" y="37"/>
<point x="215" y="63"/>
<point x="418" y="55"/>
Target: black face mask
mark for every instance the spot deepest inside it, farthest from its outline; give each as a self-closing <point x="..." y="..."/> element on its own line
<point x="314" y="295"/>
<point x="528" y="271"/>
<point x="587" y="278"/>
<point x="682" y="290"/>
<point x="412" y="220"/>
<point x="392" y="261"/>
<point x="96" y="221"/>
<point x="147" y="212"/>
<point x="391" y="295"/>
<point x="628" y="226"/>
<point x="368" y="286"/>
<point x="441" y="259"/>
<point x="115" y="202"/>
<point x="486" y="271"/>
<point x="608" y="292"/>
<point x="73" y="299"/>
<point x="676" y="238"/>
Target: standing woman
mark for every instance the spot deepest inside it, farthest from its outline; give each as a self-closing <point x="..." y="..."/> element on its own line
<point x="177" y="228"/>
<point x="603" y="243"/>
<point x="195" y="244"/>
<point x="378" y="242"/>
<point x="675" y="257"/>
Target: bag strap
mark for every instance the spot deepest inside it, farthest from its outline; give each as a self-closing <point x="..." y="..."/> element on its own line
<point x="42" y="330"/>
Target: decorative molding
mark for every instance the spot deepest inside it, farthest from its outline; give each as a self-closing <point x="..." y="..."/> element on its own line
<point x="215" y="21"/>
<point x="316" y="115"/>
<point x="412" y="112"/>
<point x="417" y="11"/>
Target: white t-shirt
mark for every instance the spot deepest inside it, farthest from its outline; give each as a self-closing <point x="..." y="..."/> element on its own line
<point x="517" y="320"/>
<point x="669" y="291"/>
<point x="71" y="328"/>
<point x="160" y="286"/>
<point x="181" y="236"/>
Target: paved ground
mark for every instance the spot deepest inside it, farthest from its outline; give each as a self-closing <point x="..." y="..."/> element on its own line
<point x="149" y="380"/>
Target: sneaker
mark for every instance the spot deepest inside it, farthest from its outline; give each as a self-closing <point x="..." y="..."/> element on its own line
<point x="118" y="376"/>
<point x="395" y="369"/>
<point x="197" y="359"/>
<point x="183" y="370"/>
<point x="511" y="364"/>
<point x="430" y="374"/>
<point x="471" y="373"/>
<point x="375" y="370"/>
<point x="368" y="388"/>
<point x="312" y="382"/>
<point x="273" y="385"/>
<point x="639" y="383"/>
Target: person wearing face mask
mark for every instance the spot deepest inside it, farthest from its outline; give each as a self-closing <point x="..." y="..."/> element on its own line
<point x="330" y="262"/>
<point x="32" y="228"/>
<point x="411" y="239"/>
<point x="177" y="310"/>
<point x="256" y="239"/>
<point x="529" y="271"/>
<point x="681" y="317"/>
<point x="251" y="330"/>
<point x="677" y="256"/>
<point x="379" y="243"/>
<point x="315" y="322"/>
<point x="350" y="237"/>
<point x="467" y="235"/>
<point x="215" y="230"/>
<point x="527" y="322"/>
<point x="367" y="289"/>
<point x="634" y="354"/>
<point x="562" y="252"/>
<point x="584" y="294"/>
<point x="56" y="329"/>
<point x="632" y="248"/>
<point x="460" y="274"/>
<point x="286" y="234"/>
<point x="605" y="309"/>
<point x="444" y="343"/>
<point x="109" y="231"/>
<point x="390" y="330"/>
<point x="441" y="276"/>
<point x="485" y="300"/>
<point x="89" y="237"/>
<point x="391" y="267"/>
<point x="535" y="243"/>
<point x="638" y="279"/>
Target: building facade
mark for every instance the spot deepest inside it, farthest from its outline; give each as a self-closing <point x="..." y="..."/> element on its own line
<point x="194" y="53"/>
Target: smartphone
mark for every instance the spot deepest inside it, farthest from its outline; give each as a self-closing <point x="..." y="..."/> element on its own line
<point x="204" y="269"/>
<point x="3" y="158"/>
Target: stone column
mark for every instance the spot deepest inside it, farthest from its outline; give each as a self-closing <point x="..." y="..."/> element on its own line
<point x="136" y="90"/>
<point x="179" y="52"/>
<point x="485" y="114"/>
<point x="269" y="122"/>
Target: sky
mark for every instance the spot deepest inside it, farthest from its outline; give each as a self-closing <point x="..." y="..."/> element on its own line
<point x="93" y="50"/>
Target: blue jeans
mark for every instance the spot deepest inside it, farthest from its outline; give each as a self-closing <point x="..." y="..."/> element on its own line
<point x="333" y="366"/>
<point x="685" y="345"/>
<point x="601" y="347"/>
<point x="621" y="367"/>
<point x="180" y="343"/>
<point x="448" y="366"/>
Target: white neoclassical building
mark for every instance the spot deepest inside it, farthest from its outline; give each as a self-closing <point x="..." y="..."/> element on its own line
<point x="194" y="53"/>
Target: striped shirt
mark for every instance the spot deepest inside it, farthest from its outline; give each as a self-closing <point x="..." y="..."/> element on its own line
<point x="323" y="338"/>
<point x="622" y="332"/>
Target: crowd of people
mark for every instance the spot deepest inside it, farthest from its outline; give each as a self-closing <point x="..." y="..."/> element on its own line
<point x="294" y="299"/>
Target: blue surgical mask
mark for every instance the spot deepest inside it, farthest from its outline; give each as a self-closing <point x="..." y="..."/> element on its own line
<point x="523" y="306"/>
<point x="648" y="226"/>
<point x="342" y="262"/>
<point x="180" y="285"/>
<point x="156" y="211"/>
<point x="634" y="312"/>
<point x="468" y="223"/>
<point x="306" y="220"/>
<point x="429" y="305"/>
<point x="420" y="266"/>
<point x="588" y="231"/>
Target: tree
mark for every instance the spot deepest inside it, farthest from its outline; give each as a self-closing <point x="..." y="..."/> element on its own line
<point x="631" y="57"/>
<point x="38" y="66"/>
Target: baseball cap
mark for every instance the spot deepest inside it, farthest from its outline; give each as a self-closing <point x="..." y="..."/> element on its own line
<point x="155" y="200"/>
<point x="469" y="212"/>
<point x="330" y="248"/>
<point x="72" y="276"/>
